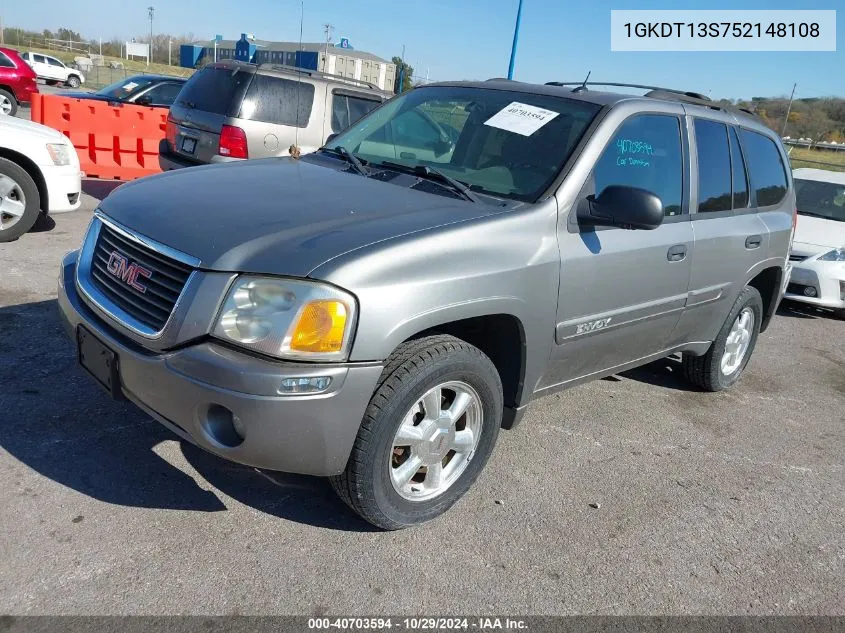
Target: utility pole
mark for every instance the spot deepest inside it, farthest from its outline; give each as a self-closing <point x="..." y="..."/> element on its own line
<point x="169" y="45"/>
<point x="515" y="40"/>
<point x="150" y="11"/>
<point x="402" y="72"/>
<point x="328" y="29"/>
<point x="788" y="110"/>
<point x="1" y="30"/>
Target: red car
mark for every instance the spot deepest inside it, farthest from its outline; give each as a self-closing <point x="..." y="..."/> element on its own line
<point x="17" y="81"/>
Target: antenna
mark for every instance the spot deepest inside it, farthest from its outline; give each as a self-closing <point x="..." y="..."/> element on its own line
<point x="294" y="151"/>
<point x="583" y="86"/>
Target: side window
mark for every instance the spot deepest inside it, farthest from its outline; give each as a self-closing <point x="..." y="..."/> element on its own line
<point x="39" y="59"/>
<point x="5" y="62"/>
<point x="55" y="62"/>
<point x="163" y="94"/>
<point x="645" y="153"/>
<point x="739" y="175"/>
<point x="347" y="109"/>
<point x="768" y="175"/>
<point x="714" y="166"/>
<point x="279" y="101"/>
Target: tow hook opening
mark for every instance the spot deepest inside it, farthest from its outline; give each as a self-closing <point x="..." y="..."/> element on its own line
<point x="222" y="426"/>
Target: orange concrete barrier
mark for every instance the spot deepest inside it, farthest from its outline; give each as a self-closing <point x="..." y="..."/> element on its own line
<point x="112" y="141"/>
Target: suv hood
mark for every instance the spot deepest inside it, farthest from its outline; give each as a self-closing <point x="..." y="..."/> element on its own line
<point x="33" y="130"/>
<point x="279" y="215"/>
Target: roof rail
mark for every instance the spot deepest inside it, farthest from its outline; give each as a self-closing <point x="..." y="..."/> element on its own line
<point x="318" y="73"/>
<point x="656" y="92"/>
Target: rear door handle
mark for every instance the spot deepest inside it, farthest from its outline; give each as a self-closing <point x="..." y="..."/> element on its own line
<point x="677" y="253"/>
<point x="753" y="241"/>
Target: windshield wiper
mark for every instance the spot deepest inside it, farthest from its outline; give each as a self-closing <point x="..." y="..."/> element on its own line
<point x="430" y="173"/>
<point x="351" y="158"/>
<point x="815" y="215"/>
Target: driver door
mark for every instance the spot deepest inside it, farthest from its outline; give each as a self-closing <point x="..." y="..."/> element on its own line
<point x="621" y="291"/>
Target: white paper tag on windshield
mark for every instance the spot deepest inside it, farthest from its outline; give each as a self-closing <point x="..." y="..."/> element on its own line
<point x="521" y="118"/>
<point x="130" y="86"/>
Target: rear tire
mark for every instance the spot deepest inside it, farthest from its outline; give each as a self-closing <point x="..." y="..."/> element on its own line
<point x="20" y="202"/>
<point x="432" y="373"/>
<point x="839" y="314"/>
<point x="727" y="357"/>
<point x="73" y="81"/>
<point x="8" y="103"/>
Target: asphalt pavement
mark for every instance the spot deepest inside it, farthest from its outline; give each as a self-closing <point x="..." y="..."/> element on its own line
<point x="635" y="494"/>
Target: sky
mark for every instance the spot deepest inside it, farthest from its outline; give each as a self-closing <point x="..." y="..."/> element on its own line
<point x="560" y="40"/>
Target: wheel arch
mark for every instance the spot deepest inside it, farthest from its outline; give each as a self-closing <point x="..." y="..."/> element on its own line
<point x="34" y="172"/>
<point x="768" y="283"/>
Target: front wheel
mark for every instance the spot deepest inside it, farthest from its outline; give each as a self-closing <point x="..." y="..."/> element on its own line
<point x="73" y="81"/>
<point x="727" y="357"/>
<point x="427" y="433"/>
<point x="19" y="201"/>
<point x="8" y="103"/>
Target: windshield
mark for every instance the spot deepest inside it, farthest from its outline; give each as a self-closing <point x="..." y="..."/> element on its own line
<point x="820" y="199"/>
<point x="499" y="142"/>
<point x="124" y="88"/>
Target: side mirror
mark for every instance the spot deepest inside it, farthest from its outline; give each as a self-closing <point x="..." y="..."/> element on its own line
<point x="144" y="100"/>
<point x="624" y="207"/>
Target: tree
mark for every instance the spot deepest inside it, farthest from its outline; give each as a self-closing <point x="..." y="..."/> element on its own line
<point x="406" y="76"/>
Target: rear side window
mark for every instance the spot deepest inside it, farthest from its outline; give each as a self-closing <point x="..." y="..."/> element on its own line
<point x="768" y="175"/>
<point x="346" y="109"/>
<point x="214" y="89"/>
<point x="5" y="62"/>
<point x="279" y="101"/>
<point x="645" y="153"/>
<point x="714" y="166"/>
<point x="739" y="175"/>
<point x="39" y="59"/>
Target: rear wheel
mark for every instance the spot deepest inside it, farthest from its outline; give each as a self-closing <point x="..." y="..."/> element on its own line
<point x="19" y="201"/>
<point x="428" y="431"/>
<point x="727" y="357"/>
<point x="8" y="103"/>
<point x="73" y="81"/>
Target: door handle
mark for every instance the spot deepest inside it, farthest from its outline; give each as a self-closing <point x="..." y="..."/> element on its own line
<point x="677" y="253"/>
<point x="753" y="241"/>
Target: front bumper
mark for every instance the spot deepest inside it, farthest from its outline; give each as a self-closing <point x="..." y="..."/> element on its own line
<point x="185" y="389"/>
<point x="826" y="279"/>
<point x="64" y="187"/>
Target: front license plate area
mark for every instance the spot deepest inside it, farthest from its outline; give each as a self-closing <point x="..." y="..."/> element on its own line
<point x="99" y="361"/>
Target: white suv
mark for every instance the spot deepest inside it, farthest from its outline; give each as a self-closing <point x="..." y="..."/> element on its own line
<point x="53" y="70"/>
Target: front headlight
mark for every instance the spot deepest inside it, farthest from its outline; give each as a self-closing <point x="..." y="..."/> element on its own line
<point x="836" y="255"/>
<point x="288" y="319"/>
<point x="59" y="153"/>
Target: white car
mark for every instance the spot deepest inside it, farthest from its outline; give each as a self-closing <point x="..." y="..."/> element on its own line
<point x="39" y="173"/>
<point x="818" y="250"/>
<point x="53" y="70"/>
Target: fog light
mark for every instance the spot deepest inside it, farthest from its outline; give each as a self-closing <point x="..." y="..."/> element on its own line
<point x="810" y="291"/>
<point x="305" y="385"/>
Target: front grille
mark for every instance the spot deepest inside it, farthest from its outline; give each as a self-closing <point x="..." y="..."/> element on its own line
<point x="161" y="289"/>
<point x="797" y="258"/>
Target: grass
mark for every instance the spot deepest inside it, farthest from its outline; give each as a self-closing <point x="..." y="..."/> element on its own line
<point x="817" y="158"/>
<point x="101" y="76"/>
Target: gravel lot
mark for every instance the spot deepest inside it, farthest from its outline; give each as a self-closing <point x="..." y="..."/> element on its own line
<point x="727" y="503"/>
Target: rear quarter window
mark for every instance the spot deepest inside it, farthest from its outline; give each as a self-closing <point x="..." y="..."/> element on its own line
<point x="279" y="101"/>
<point x="214" y="90"/>
<point x="5" y="62"/>
<point x="765" y="167"/>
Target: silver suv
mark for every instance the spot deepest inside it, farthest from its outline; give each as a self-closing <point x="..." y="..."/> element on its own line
<point x="233" y="110"/>
<point x="376" y="311"/>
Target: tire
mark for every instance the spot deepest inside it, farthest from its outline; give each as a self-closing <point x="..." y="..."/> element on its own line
<point x="708" y="371"/>
<point x="839" y="314"/>
<point x="51" y="82"/>
<point x="414" y="369"/>
<point x="73" y="81"/>
<point x="8" y="103"/>
<point x="20" y="202"/>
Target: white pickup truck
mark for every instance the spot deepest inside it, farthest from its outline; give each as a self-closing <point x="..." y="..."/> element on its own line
<point x="53" y="70"/>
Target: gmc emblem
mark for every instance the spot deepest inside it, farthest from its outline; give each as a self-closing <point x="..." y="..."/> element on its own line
<point x="127" y="272"/>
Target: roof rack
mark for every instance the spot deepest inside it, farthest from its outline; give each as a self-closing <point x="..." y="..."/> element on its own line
<point x="318" y="73"/>
<point x="656" y="92"/>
